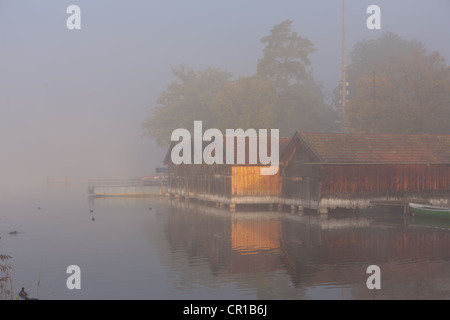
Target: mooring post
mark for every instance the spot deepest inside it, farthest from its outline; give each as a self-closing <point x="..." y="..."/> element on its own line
<point x="406" y="213"/>
<point x="301" y="210"/>
<point x="322" y="212"/>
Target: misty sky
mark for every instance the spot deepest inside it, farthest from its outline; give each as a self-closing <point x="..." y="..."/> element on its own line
<point x="72" y="102"/>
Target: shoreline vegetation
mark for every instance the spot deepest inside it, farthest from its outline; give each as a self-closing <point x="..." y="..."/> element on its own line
<point x="6" y="283"/>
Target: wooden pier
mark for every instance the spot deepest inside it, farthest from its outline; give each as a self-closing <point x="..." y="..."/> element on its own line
<point x="66" y="180"/>
<point x="125" y="188"/>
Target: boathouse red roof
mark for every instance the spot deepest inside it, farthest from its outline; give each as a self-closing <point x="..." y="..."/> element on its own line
<point x="377" y="148"/>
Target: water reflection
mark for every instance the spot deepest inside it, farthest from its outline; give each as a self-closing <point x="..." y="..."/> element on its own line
<point x="181" y="250"/>
<point x="322" y="257"/>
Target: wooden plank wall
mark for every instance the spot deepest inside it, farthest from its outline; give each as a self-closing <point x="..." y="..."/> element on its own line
<point x="247" y="181"/>
<point x="379" y="179"/>
<point x="198" y="179"/>
<point x="238" y="181"/>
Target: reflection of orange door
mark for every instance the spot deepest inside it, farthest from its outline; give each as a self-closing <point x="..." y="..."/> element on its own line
<point x="247" y="181"/>
<point x="251" y="236"/>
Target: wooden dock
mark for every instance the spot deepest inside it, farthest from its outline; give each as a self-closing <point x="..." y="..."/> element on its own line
<point x="125" y="188"/>
<point x="66" y="180"/>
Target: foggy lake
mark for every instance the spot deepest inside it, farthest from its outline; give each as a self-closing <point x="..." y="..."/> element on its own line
<point x="183" y="250"/>
<point x="96" y="89"/>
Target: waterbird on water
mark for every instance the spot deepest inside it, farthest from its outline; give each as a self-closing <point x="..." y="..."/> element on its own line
<point x="23" y="294"/>
<point x="92" y="210"/>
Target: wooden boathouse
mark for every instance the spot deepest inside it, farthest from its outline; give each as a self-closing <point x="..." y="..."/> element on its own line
<point x="323" y="171"/>
<point x="228" y="184"/>
<point x="354" y="170"/>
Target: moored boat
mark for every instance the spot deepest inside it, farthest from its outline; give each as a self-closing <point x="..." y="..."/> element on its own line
<point x="429" y="211"/>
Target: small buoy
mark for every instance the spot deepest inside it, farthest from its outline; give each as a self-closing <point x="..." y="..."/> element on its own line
<point x="39" y="208"/>
<point x="149" y="208"/>
<point x="92" y="210"/>
<point x="93" y="219"/>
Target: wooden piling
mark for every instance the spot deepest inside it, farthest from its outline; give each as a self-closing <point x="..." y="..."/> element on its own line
<point x="301" y="210"/>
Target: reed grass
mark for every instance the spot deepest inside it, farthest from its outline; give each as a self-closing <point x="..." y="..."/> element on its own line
<point x="6" y="287"/>
<point x="6" y="281"/>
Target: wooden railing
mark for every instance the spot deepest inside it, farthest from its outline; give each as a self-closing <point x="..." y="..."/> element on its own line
<point x="124" y="182"/>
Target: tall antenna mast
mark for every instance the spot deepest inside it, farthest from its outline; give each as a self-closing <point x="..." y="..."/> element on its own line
<point x="344" y="80"/>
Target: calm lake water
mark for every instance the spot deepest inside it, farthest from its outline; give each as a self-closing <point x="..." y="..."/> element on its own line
<point x="178" y="250"/>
